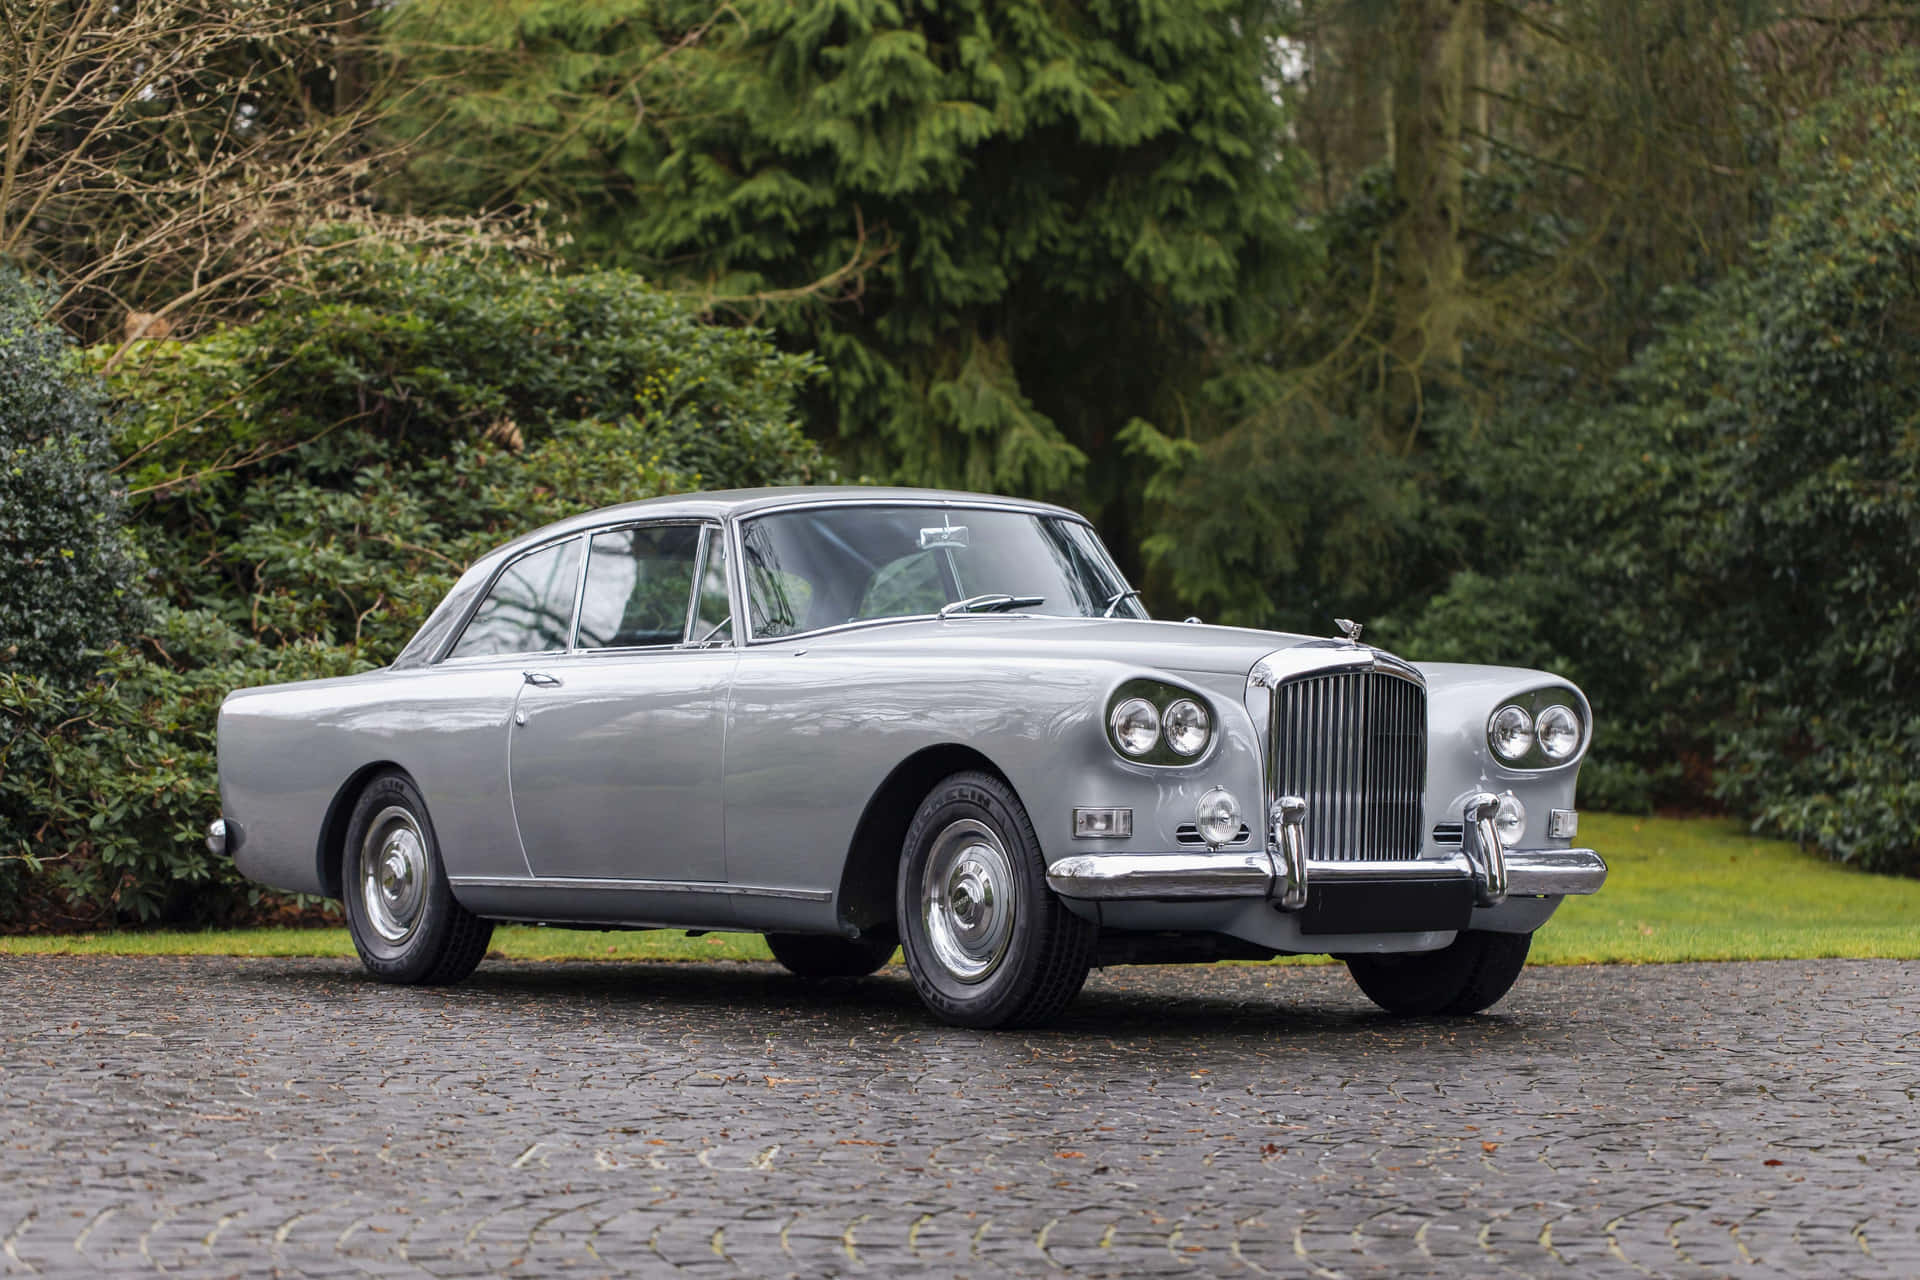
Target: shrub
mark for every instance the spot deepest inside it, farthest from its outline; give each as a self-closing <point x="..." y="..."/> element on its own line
<point x="67" y="583"/>
<point x="313" y="482"/>
<point x="106" y="788"/>
<point x="1729" y="557"/>
<point x="325" y="471"/>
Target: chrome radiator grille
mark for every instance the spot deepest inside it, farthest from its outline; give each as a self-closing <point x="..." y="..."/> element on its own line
<point x="1353" y="745"/>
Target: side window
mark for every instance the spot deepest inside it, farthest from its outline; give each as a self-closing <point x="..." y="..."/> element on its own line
<point x="529" y="607"/>
<point x="712" y="618"/>
<point x="639" y="587"/>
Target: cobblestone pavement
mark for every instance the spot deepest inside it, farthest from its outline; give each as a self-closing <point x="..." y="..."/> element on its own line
<point x="215" y="1117"/>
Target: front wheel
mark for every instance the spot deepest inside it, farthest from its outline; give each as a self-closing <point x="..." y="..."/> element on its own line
<point x="404" y="920"/>
<point x="1466" y="977"/>
<point x="987" y="944"/>
<point x="806" y="955"/>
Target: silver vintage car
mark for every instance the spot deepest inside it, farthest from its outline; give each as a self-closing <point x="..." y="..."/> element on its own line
<point x="854" y="719"/>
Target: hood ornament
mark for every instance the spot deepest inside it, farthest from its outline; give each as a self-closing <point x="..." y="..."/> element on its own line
<point x="1350" y="629"/>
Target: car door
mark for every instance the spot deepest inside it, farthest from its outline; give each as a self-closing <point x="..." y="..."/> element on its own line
<point x="448" y="722"/>
<point x="616" y="746"/>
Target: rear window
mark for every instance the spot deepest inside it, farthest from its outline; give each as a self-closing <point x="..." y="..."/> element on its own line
<point x="529" y="609"/>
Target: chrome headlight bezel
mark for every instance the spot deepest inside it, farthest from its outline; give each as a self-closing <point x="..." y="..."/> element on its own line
<point x="1129" y="712"/>
<point x="1552" y="724"/>
<point x="1162" y="697"/>
<point x="1181" y="716"/>
<point x="1510" y="734"/>
<point x="1534" y="705"/>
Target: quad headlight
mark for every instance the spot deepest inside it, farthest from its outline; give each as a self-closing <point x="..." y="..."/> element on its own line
<point x="1136" y="726"/>
<point x="1511" y="734"/>
<point x="1154" y="723"/>
<point x="1558" y="731"/>
<point x="1188" y="727"/>
<point x="1538" y="730"/>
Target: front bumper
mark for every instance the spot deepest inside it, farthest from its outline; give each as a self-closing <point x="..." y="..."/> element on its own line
<point x="1530" y="873"/>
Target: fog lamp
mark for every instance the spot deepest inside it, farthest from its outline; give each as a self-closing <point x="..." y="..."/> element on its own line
<point x="1510" y="820"/>
<point x="1218" y="817"/>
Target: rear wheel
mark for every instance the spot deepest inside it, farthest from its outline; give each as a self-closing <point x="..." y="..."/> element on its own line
<point x="401" y="913"/>
<point x="808" y="955"/>
<point x="1472" y="974"/>
<point x="987" y="943"/>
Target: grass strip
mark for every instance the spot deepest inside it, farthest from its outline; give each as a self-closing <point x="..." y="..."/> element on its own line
<point x="1677" y="889"/>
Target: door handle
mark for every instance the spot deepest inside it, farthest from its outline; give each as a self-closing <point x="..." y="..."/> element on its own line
<point x="542" y="679"/>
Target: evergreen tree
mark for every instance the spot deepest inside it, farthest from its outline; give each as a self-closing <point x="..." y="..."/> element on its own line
<point x="67" y="583"/>
<point x="1007" y="227"/>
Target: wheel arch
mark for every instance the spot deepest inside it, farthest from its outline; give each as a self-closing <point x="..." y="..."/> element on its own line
<point x="331" y="851"/>
<point x="865" y="896"/>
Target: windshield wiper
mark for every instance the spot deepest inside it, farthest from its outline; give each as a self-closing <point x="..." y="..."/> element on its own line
<point x="1113" y="601"/>
<point x="994" y="602"/>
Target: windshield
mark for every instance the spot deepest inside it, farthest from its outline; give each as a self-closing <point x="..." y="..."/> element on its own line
<point x="828" y="566"/>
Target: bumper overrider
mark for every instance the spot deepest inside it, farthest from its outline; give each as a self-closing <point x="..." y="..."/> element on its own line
<point x="1286" y="875"/>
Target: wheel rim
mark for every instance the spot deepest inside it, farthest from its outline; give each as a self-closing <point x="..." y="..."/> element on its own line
<point x="968" y="901"/>
<point x="393" y="874"/>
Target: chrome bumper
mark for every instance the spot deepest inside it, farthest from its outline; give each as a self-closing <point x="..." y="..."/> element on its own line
<point x="1530" y="873"/>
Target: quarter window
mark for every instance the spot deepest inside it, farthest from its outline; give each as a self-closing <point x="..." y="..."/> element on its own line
<point x="712" y="617"/>
<point x="639" y="587"/>
<point x="530" y="607"/>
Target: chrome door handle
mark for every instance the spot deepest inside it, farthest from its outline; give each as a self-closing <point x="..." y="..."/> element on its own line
<point x="542" y="679"/>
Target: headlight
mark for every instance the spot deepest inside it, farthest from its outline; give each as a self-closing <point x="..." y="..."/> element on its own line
<point x="1152" y="722"/>
<point x="1218" y="817"/>
<point x="1511" y="733"/>
<point x="1187" y="728"/>
<point x="1559" y="731"/>
<point x="1136" y="726"/>
<point x="1510" y="820"/>
<point x="1544" y="728"/>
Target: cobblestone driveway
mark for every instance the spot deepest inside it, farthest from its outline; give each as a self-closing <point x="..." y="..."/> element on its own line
<point x="220" y="1116"/>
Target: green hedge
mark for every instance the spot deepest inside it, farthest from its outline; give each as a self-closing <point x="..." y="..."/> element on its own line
<point x="67" y="582"/>
<point x="313" y="483"/>
<point x="1728" y="557"/>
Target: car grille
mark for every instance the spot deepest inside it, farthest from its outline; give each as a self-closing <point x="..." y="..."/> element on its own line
<point x="1353" y="745"/>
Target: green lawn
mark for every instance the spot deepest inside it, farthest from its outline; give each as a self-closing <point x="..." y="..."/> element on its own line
<point x="1678" y="889"/>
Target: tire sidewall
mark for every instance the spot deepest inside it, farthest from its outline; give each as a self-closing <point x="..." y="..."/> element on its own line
<point x="413" y="959"/>
<point x="1473" y="973"/>
<point x="996" y="997"/>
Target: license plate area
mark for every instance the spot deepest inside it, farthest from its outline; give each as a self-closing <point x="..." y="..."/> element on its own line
<point x="1388" y="906"/>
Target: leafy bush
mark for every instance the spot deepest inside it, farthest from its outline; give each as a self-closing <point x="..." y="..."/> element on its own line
<point x="106" y="788"/>
<point x="313" y="483"/>
<point x="1729" y="557"/>
<point x="325" y="471"/>
<point x="67" y="583"/>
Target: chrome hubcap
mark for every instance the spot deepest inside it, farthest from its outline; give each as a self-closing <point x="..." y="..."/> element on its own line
<point x="393" y="873"/>
<point x="967" y="900"/>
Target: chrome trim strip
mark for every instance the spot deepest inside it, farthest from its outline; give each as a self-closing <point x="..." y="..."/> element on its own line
<point x="639" y="886"/>
<point x="1531" y="873"/>
<point x="1551" y="872"/>
<point x="983" y="502"/>
<point x="1162" y="875"/>
<point x="1453" y="867"/>
<point x="1326" y="657"/>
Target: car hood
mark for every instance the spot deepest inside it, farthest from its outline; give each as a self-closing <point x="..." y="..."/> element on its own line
<point x="1172" y="646"/>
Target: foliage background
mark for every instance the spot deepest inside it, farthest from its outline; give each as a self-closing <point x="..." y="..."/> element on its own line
<point x="310" y="484"/>
<point x="1575" y="335"/>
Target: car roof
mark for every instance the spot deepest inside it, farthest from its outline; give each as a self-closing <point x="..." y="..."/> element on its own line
<point x="720" y="504"/>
